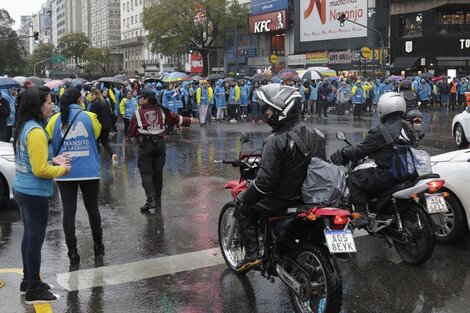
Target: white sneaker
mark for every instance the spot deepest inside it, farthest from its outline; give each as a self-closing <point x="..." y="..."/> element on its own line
<point x="115" y="159"/>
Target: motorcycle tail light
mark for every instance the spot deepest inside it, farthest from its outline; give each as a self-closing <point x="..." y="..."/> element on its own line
<point x="435" y="185"/>
<point x="340" y="220"/>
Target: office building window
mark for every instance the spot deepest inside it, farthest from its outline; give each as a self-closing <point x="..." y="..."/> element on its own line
<point x="457" y="18"/>
<point x="411" y="25"/>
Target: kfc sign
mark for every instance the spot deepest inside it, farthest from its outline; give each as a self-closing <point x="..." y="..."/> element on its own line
<point x="197" y="65"/>
<point x="269" y="22"/>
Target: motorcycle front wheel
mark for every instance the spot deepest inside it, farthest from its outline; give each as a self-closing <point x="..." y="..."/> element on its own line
<point x="419" y="237"/>
<point x="322" y="291"/>
<point x="235" y="253"/>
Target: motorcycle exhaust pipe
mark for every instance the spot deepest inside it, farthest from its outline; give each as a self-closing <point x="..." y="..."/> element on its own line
<point x="231" y="231"/>
<point x="291" y="282"/>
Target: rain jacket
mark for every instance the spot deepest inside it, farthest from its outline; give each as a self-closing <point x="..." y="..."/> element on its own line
<point x="11" y="100"/>
<point x="234" y="95"/>
<point x="244" y="94"/>
<point x="424" y="91"/>
<point x="313" y="92"/>
<point x="219" y="94"/>
<point x="169" y="100"/>
<point x="127" y="107"/>
<point x="159" y="93"/>
<point x="204" y="95"/>
<point x="415" y="85"/>
<point x="377" y="94"/>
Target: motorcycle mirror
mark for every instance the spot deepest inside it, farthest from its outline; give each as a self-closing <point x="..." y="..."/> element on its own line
<point x="244" y="137"/>
<point x="341" y="136"/>
<point x="468" y="109"/>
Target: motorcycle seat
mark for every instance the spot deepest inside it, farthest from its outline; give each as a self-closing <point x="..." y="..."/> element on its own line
<point x="391" y="191"/>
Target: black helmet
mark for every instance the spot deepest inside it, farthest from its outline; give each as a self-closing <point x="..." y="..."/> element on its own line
<point x="284" y="100"/>
<point x="405" y="85"/>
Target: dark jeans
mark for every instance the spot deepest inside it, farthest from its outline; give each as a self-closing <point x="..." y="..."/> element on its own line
<point x="255" y="111"/>
<point x="68" y="193"/>
<point x="126" y="126"/>
<point x="322" y="105"/>
<point x="233" y="111"/>
<point x="152" y="154"/>
<point x="104" y="140"/>
<point x="35" y="214"/>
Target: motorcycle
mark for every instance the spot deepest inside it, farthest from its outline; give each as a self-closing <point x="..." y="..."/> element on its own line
<point x="296" y="245"/>
<point x="404" y="215"/>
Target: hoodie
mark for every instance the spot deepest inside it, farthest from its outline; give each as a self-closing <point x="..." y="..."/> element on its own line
<point x="219" y="94"/>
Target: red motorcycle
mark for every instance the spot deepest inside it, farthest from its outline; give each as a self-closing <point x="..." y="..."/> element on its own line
<point x="296" y="245"/>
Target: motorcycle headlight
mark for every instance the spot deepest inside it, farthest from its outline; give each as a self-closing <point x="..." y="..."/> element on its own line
<point x="8" y="157"/>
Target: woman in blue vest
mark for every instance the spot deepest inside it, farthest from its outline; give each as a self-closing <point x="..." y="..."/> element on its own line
<point x="358" y="99"/>
<point x="81" y="144"/>
<point x="127" y="108"/>
<point x="244" y="95"/>
<point x="219" y="97"/>
<point x="33" y="186"/>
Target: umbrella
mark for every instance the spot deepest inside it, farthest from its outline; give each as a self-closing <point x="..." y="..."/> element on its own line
<point x="396" y="78"/>
<point x="248" y="78"/>
<point x="152" y="80"/>
<point x="36" y="80"/>
<point x="426" y="75"/>
<point x="6" y="82"/>
<point x="54" y="83"/>
<point x="230" y="79"/>
<point x="176" y="76"/>
<point x="311" y="74"/>
<point x="257" y="77"/>
<point x="78" y="81"/>
<point x="332" y="78"/>
<point x="111" y="80"/>
<point x="216" y="77"/>
<point x="289" y="75"/>
<point x="121" y="77"/>
<point x="197" y="77"/>
<point x="20" y="79"/>
<point x="287" y="70"/>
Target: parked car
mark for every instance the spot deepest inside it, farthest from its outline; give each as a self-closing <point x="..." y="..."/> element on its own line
<point x="454" y="167"/>
<point x="7" y="173"/>
<point x="461" y="128"/>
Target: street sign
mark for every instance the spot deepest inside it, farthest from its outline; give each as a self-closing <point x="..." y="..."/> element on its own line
<point x="365" y="52"/>
<point x="423" y="61"/>
<point x="57" y="58"/>
<point x="273" y="59"/>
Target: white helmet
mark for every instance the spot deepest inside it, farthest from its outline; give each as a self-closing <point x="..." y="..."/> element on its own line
<point x="391" y="102"/>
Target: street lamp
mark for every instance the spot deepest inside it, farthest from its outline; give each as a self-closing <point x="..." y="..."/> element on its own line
<point x="342" y="18"/>
<point x="34" y="67"/>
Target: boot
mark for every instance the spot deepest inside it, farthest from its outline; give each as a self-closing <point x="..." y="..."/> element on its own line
<point x="74" y="257"/>
<point x="250" y="242"/>
<point x="98" y="248"/>
<point x="150" y="204"/>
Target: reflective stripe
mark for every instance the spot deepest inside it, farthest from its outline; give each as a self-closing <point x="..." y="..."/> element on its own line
<point x="152" y="132"/>
<point x="181" y="120"/>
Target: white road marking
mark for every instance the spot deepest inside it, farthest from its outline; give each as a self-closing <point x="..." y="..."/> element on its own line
<point x="135" y="271"/>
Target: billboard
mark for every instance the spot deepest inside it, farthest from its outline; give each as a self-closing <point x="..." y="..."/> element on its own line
<point x="269" y="22"/>
<point x="265" y="6"/>
<point x="319" y="19"/>
<point x="196" y="63"/>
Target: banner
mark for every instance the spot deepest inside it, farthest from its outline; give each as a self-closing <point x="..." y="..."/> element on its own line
<point x="196" y="63"/>
<point x="265" y="6"/>
<point x="339" y="57"/>
<point x="268" y="22"/>
<point x="317" y="57"/>
<point x="319" y="19"/>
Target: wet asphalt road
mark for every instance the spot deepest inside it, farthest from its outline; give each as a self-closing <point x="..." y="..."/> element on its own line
<point x="375" y="280"/>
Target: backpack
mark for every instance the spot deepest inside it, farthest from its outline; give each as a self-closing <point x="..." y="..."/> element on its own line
<point x="324" y="183"/>
<point x="407" y="162"/>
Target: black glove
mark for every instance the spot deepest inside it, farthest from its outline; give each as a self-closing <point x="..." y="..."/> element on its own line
<point x="240" y="206"/>
<point x="337" y="158"/>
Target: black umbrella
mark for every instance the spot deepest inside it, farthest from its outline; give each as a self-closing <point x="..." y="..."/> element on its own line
<point x="230" y="79"/>
<point x="121" y="77"/>
<point x="215" y="77"/>
<point x="426" y="75"/>
<point x="111" y="80"/>
<point x="6" y="82"/>
<point x="36" y="80"/>
<point x="257" y="77"/>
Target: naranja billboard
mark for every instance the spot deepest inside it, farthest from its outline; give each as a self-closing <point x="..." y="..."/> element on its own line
<point x="319" y="19"/>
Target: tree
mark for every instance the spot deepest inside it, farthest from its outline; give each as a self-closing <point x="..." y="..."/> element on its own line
<point x="12" y="52"/>
<point x="43" y="51"/>
<point x="73" y="46"/>
<point x="176" y="26"/>
<point x="97" y="59"/>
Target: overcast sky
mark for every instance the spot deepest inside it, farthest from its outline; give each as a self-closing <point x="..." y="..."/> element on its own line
<point x="17" y="8"/>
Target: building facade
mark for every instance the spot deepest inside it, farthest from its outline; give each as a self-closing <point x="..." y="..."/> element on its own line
<point x="430" y="36"/>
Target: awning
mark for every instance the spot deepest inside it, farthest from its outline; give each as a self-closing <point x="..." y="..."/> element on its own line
<point x="404" y="62"/>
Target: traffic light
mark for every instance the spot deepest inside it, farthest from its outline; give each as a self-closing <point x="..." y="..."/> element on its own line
<point x="342" y="19"/>
<point x="36" y="37"/>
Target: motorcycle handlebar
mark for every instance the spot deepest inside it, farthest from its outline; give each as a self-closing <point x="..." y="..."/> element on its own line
<point x="232" y="162"/>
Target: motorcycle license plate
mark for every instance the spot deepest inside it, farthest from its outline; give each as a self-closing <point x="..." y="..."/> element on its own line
<point x="435" y="203"/>
<point x="340" y="241"/>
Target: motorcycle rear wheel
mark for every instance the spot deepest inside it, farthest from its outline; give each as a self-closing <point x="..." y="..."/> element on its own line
<point x="326" y="291"/>
<point x="235" y="255"/>
<point x="423" y="239"/>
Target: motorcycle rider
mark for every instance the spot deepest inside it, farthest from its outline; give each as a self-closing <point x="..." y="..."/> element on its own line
<point x="364" y="183"/>
<point x="283" y="165"/>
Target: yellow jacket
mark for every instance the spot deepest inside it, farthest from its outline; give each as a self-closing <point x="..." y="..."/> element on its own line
<point x="210" y="94"/>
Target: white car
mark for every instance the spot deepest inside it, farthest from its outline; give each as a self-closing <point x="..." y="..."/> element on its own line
<point x="461" y="128"/>
<point x="7" y="173"/>
<point x="454" y="168"/>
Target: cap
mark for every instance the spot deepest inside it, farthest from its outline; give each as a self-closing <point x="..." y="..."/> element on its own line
<point x="147" y="94"/>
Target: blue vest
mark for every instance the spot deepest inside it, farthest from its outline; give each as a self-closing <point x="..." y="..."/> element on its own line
<point x="244" y="94"/>
<point x="359" y="96"/>
<point x="25" y="181"/>
<point x="80" y="144"/>
<point x="219" y="96"/>
<point x="204" y="96"/>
